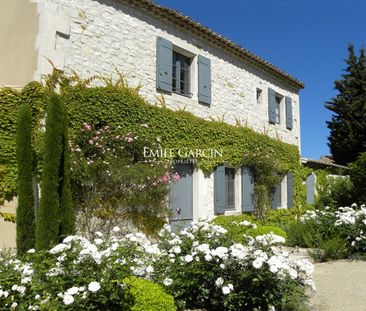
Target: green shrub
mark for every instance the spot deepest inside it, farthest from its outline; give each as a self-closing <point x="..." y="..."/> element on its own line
<point x="202" y="270"/>
<point x="358" y="177"/>
<point x="238" y="225"/>
<point x="25" y="220"/>
<point x="339" y="192"/>
<point x="232" y="225"/>
<point x="67" y="222"/>
<point x="262" y="230"/>
<point x="332" y="249"/>
<point x="52" y="222"/>
<point x="148" y="296"/>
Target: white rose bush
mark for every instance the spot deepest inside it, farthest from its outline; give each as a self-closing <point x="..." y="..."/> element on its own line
<point x="335" y="234"/>
<point x="199" y="266"/>
<point x="209" y="271"/>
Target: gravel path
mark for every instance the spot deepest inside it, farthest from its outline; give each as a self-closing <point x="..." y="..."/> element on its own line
<point x="340" y="286"/>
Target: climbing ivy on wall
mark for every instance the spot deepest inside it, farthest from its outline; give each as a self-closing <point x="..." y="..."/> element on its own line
<point x="10" y="101"/>
<point x="117" y="104"/>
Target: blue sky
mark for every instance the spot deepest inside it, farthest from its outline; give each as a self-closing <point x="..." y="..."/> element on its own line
<point x="306" y="38"/>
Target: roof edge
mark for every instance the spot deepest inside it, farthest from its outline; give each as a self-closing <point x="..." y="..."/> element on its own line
<point x="203" y="31"/>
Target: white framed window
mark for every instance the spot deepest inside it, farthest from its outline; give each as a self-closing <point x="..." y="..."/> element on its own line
<point x="278" y="109"/>
<point x="259" y="95"/>
<point x="181" y="78"/>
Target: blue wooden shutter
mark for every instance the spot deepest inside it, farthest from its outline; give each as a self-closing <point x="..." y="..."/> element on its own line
<point x="310" y="189"/>
<point x="219" y="190"/>
<point x="164" y="64"/>
<point x="247" y="189"/>
<point x="290" y="191"/>
<point x="271" y="106"/>
<point x="204" y="80"/>
<point x="288" y="102"/>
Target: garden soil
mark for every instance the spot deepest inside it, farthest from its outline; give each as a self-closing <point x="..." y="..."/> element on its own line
<point x="340" y="286"/>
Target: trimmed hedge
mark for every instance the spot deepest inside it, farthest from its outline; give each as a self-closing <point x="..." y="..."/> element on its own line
<point x="148" y="296"/>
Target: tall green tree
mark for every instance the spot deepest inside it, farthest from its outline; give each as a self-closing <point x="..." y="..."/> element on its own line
<point x="55" y="216"/>
<point x="25" y="219"/>
<point x="347" y="137"/>
<point x="67" y="226"/>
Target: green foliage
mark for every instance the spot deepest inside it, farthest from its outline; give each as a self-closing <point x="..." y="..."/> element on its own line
<point x="348" y="124"/>
<point x="203" y="269"/>
<point x="148" y="296"/>
<point x="113" y="183"/>
<point x="262" y="230"/>
<point x="246" y="224"/>
<point x="25" y="220"/>
<point x="10" y="100"/>
<point x="116" y="104"/>
<point x="338" y="191"/>
<point x="333" y="249"/>
<point x="266" y="169"/>
<point x="358" y="177"/>
<point x="67" y="223"/>
<point x="49" y="215"/>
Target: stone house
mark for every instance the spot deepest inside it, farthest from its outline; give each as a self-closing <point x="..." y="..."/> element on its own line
<point x="166" y="53"/>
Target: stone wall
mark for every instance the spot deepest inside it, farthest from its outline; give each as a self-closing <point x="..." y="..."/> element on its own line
<point x="95" y="37"/>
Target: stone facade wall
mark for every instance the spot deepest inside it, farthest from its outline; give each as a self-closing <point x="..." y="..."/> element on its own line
<point x="95" y="37"/>
<point x="99" y="36"/>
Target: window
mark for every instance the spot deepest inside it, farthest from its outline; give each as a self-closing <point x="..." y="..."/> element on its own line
<point x="259" y="96"/>
<point x="181" y="74"/>
<point x="224" y="189"/>
<point x="174" y="71"/>
<point x="278" y="110"/>
<point x="230" y="187"/>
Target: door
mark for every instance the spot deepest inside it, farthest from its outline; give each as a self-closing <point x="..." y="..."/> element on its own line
<point x="181" y="197"/>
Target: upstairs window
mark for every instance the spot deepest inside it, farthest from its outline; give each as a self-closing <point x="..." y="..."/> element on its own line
<point x="278" y="110"/>
<point x="259" y="96"/>
<point x="181" y="74"/>
<point x="274" y="106"/>
<point x="174" y="71"/>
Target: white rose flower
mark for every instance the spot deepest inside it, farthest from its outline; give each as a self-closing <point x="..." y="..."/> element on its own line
<point x="257" y="263"/>
<point x="149" y="269"/>
<point x="72" y="291"/>
<point x="31" y="251"/>
<point x="208" y="257"/>
<point x="219" y="282"/>
<point x="116" y="229"/>
<point x="176" y="249"/>
<point x="26" y="280"/>
<point x="68" y="300"/>
<point x="188" y="258"/>
<point x="226" y="290"/>
<point x="168" y="281"/>
<point x="93" y="287"/>
<point x="59" y="248"/>
<point x="98" y="241"/>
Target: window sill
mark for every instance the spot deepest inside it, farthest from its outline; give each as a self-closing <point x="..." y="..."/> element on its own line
<point x="189" y="95"/>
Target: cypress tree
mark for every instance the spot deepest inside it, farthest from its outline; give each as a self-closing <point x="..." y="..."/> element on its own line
<point x="347" y="137"/>
<point x="48" y="217"/>
<point x="25" y="219"/>
<point x="67" y="226"/>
